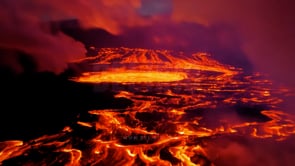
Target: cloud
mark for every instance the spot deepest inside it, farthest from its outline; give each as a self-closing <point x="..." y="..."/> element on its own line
<point x="110" y="15"/>
<point x="25" y="26"/>
<point x="266" y="29"/>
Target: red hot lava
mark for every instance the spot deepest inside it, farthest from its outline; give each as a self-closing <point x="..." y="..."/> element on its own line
<point x="181" y="106"/>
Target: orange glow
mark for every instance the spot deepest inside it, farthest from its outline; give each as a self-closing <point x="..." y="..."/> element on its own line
<point x="84" y="124"/>
<point x="179" y="103"/>
<point x="75" y="156"/>
<point x="143" y="65"/>
<point x="138" y="58"/>
<point x="9" y="149"/>
<point x="132" y="76"/>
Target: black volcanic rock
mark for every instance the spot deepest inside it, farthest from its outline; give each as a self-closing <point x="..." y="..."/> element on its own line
<point x="44" y="103"/>
<point x="251" y="112"/>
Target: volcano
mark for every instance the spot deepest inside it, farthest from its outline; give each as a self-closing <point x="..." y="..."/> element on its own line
<point x="184" y="108"/>
<point x="144" y="65"/>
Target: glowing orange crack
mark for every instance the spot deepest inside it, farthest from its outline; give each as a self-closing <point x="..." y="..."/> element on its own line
<point x="132" y="76"/>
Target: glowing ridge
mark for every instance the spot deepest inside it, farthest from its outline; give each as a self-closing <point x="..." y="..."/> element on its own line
<point x="125" y="65"/>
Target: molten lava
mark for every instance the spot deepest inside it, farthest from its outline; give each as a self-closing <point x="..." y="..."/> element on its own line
<point x="180" y="104"/>
<point x="132" y="77"/>
<point x="126" y="65"/>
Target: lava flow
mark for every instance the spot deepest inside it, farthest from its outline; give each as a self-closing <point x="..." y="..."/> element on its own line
<point x="181" y="104"/>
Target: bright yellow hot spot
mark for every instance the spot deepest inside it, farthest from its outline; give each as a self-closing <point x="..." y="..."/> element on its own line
<point x="131" y="76"/>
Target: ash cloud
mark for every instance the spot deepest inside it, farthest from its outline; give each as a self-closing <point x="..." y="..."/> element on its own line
<point x="266" y="30"/>
<point x="23" y="30"/>
<point x="25" y="26"/>
<point x="219" y="40"/>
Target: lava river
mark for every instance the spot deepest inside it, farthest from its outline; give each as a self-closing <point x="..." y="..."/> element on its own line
<point x="182" y="106"/>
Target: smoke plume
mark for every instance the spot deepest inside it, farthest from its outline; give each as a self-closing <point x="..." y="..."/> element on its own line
<point x="25" y="27"/>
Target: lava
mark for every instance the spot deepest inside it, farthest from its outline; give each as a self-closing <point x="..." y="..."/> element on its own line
<point x="132" y="76"/>
<point x="180" y="104"/>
